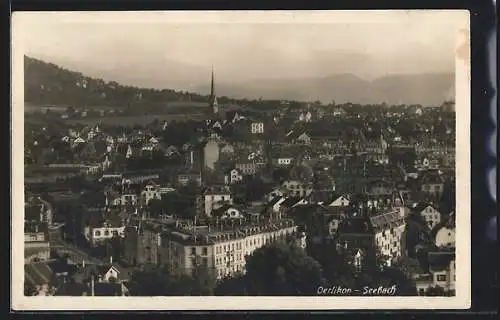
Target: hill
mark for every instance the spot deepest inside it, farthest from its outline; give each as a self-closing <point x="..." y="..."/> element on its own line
<point x="47" y="83"/>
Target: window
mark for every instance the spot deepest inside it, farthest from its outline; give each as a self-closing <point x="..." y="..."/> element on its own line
<point x="106" y="233"/>
<point x="205" y="251"/>
<point x="205" y="262"/>
<point x="421" y="291"/>
<point x="441" y="277"/>
<point x="97" y="233"/>
<point x="193" y="250"/>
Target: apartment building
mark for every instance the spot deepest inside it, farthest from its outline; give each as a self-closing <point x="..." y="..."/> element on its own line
<point x="222" y="250"/>
<point x="375" y="232"/>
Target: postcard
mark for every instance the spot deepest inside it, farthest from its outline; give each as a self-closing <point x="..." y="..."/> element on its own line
<point x="241" y="160"/>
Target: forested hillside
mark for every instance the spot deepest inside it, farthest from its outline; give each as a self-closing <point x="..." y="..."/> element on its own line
<point x="49" y="84"/>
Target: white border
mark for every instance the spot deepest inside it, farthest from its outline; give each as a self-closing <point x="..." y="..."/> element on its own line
<point x="21" y="23"/>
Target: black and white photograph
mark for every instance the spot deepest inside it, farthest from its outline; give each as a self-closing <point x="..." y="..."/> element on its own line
<point x="241" y="160"/>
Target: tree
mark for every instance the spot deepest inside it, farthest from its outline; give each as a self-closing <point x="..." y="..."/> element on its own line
<point x="159" y="282"/>
<point x="281" y="269"/>
<point x="148" y="283"/>
<point x="30" y="290"/>
<point x="231" y="286"/>
<point x="435" y="291"/>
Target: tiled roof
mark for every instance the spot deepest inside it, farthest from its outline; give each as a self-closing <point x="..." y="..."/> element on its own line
<point x="386" y="220"/>
<point x="290" y="201"/>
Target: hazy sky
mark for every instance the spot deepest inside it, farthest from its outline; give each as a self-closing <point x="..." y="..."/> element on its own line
<point x="249" y="46"/>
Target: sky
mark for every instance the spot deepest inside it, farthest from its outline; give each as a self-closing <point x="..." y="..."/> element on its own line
<point x="246" y="45"/>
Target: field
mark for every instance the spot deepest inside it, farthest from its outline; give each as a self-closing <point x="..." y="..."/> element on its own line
<point x="136" y="120"/>
<point x="171" y="111"/>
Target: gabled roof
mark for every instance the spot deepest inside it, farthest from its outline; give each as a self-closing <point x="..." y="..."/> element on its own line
<point x="440" y="260"/>
<point x="290" y="202"/>
<point x="421" y="206"/>
<point x="103" y="269"/>
<point x="275" y="200"/>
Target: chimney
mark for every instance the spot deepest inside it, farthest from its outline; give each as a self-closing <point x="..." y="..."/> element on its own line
<point x="111" y="259"/>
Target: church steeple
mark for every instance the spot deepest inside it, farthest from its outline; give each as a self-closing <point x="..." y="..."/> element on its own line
<point x="213" y="98"/>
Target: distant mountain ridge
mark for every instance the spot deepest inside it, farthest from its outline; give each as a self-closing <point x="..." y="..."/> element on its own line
<point x="425" y="89"/>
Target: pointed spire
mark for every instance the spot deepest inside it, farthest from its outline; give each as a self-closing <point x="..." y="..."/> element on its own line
<point x="213" y="98"/>
<point x="212" y="87"/>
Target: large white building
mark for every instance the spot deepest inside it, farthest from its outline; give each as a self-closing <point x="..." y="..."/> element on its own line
<point x="257" y="127"/>
<point x="222" y="251"/>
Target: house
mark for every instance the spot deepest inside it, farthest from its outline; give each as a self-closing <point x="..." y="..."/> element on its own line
<point x="379" y="187"/>
<point x="212" y="198"/>
<point x="339" y="201"/>
<point x="110" y="140"/>
<point x="151" y="191"/>
<point x="284" y="161"/>
<point x="441" y="273"/>
<point x="109" y="273"/>
<point x="38" y="210"/>
<point x="445" y="235"/>
<point x="378" y="233"/>
<point x="125" y="199"/>
<point x="291" y="202"/>
<point x="227" y="149"/>
<point x="227" y="212"/>
<point x="183" y="179"/>
<point x="257" y="127"/>
<point x="429" y="213"/>
<point x="305" y="117"/>
<point x="432" y="183"/>
<point x="78" y="141"/>
<point x="246" y="167"/>
<point x="36" y="242"/>
<point x="277" y="192"/>
<point x="298" y="137"/>
<point x="338" y="111"/>
<point x="233" y="176"/>
<point x="103" y="227"/>
<point x="274" y="205"/>
<point x="217" y="125"/>
<point x="298" y="188"/>
<point x="129" y="152"/>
